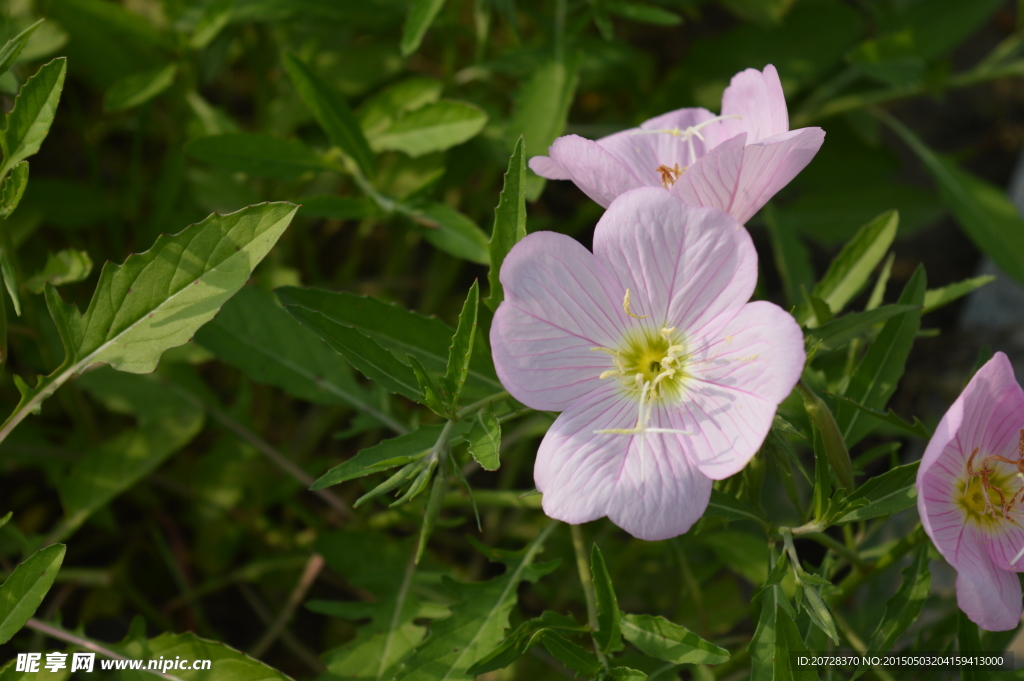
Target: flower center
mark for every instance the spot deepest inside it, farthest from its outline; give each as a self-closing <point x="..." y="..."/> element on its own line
<point x="670" y="175"/>
<point x="985" y="494"/>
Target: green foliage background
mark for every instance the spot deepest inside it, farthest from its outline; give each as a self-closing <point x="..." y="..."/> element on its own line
<point x="233" y="500"/>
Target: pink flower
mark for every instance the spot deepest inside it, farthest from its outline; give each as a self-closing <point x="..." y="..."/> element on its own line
<point x="666" y="377"/>
<point x="734" y="162"/>
<point x="969" y="489"/>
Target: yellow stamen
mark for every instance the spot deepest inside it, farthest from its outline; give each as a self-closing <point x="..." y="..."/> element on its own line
<point x="628" y="309"/>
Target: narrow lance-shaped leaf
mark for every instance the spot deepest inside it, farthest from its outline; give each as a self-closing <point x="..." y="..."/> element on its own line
<point x="13" y="189"/>
<point x="788" y="644"/>
<point x="509" y="220"/>
<point x="835" y="448"/>
<point x="13" y="47"/>
<point x="937" y="297"/>
<point x="331" y="112"/>
<point x="791" y="256"/>
<point x="256" y="154"/>
<point x="885" y="494"/>
<point x="609" y="619"/>
<point x="573" y="656"/>
<point x="838" y="332"/>
<point x="10" y="283"/>
<point x="431" y="391"/>
<point x="519" y="641"/>
<point x="451" y="231"/>
<point x="433" y="509"/>
<point x="851" y="269"/>
<point x="239" y="666"/>
<point x="158" y="299"/>
<point x="903" y="608"/>
<point x="63" y="267"/>
<point x="461" y="350"/>
<point x="819" y="612"/>
<point x="671" y="642"/>
<point x="34" y="110"/>
<point x="484" y="438"/>
<point x="139" y="88"/>
<point x="421" y="16"/>
<point x="24" y="590"/>
<point x="434" y="127"/>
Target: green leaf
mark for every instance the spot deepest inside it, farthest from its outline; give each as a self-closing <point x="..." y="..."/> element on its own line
<point x="741" y="552"/>
<point x="331" y="112"/>
<point x="570" y="654"/>
<point x="399" y="330"/>
<point x="431" y="391"/>
<point x="226" y="663"/>
<point x="381" y="110"/>
<point x="726" y="506"/>
<point x="34" y="109"/>
<point x="256" y="154"/>
<point x="139" y="88"/>
<point x="609" y="620"/>
<point x="509" y="220"/>
<point x="478" y="621"/>
<point x="904" y="607"/>
<point x="626" y="674"/>
<point x="851" y="269"/>
<point x="253" y="333"/>
<point x="937" y="297"/>
<point x="397" y="451"/>
<point x="484" y="439"/>
<point x="671" y="642"/>
<point x="819" y="311"/>
<point x="876" y="376"/>
<point x="647" y="14"/>
<point x="762" y="644"/>
<point x="158" y="299"/>
<point x="542" y="105"/>
<point x="433" y="509"/>
<point x="434" y="127"/>
<point x="791" y="256"/>
<point x="13" y="47"/>
<point x="12" y="189"/>
<point x="831" y="437"/>
<point x="520" y="640"/>
<point x="917" y="428"/>
<point x="461" y="350"/>
<point x="838" y="332"/>
<point x="334" y="207"/>
<point x="789" y="644"/>
<point x="452" y="232"/>
<point x="421" y="16"/>
<point x="63" y="267"/>
<point x="991" y="221"/>
<point x="819" y="612"/>
<point x="361" y="351"/>
<point x="9" y="281"/>
<point x="885" y="494"/>
<point x="214" y="18"/>
<point x="24" y="590"/>
<point x="969" y="640"/>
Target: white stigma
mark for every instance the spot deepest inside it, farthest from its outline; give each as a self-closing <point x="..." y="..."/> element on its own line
<point x="689" y="132"/>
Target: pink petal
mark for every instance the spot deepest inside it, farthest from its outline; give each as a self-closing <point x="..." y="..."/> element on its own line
<point x="757" y="98"/>
<point x="988" y="595"/>
<point x="546" y="167"/>
<point x="993" y="411"/>
<point x="585" y="475"/>
<point x="738" y="377"/>
<point x="594" y="170"/>
<point x="559" y="303"/>
<point x="684" y="266"/>
<point x="741" y="180"/>
<point x="713" y="133"/>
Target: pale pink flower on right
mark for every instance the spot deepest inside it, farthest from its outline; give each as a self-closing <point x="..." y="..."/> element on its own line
<point x="970" y="487"/>
<point x="734" y="162"/>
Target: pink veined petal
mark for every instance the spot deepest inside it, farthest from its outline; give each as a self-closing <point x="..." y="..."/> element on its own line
<point x="988" y="595"/>
<point x="757" y="98"/>
<point x="738" y="377"/>
<point x="597" y="172"/>
<point x="641" y="153"/>
<point x="546" y="167"/>
<point x="1005" y="543"/>
<point x="684" y="266"/>
<point x="713" y="180"/>
<point x="586" y="475"/>
<point x="560" y="301"/>
<point x="771" y="164"/>
<point x="993" y="408"/>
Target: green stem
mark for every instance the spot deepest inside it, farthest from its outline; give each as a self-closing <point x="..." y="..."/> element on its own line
<point x="589" y="595"/>
<point x="858" y="644"/>
<point x="481" y="404"/>
<point x="853" y="580"/>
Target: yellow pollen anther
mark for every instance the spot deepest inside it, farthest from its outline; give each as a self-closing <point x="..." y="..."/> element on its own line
<point x="670" y="175"/>
<point x="628" y="309"/>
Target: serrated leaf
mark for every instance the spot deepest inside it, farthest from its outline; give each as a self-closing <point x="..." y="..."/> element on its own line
<point x="407" y="473"/>
<point x="24" y="590"/>
<point x="158" y="299"/>
<point x="34" y="109"/>
<point x="377" y="113"/>
<point x="394" y="452"/>
<point x="609" y="620"/>
<point x="226" y="663"/>
<point x="788" y="644"/>
<point x="331" y="112"/>
<point x="904" y="607"/>
<point x="937" y="297"/>
<point x="429" y="388"/>
<point x="421" y="16"/>
<point x="461" y="350"/>
<point x="885" y="494"/>
<point x="430" y="128"/>
<point x="12" y="189"/>
<point x="478" y="622"/>
<point x="452" y="232"/>
<point x="838" y="332"/>
<point x="401" y="331"/>
<point x="509" y="221"/>
<point x="671" y="642"/>
<point x="850" y="270"/>
<point x="13" y="47"/>
<point x="484" y="438"/>
<point x="253" y="333"/>
<point x="62" y="267"/>
<point x="519" y="641"/>
<point x="139" y="88"/>
<point x="573" y="656"/>
<point x="256" y="154"/>
<point x="874" y="380"/>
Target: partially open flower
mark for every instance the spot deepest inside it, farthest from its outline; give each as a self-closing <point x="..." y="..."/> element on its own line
<point x="666" y="377"/>
<point x="969" y="493"/>
<point x="734" y="162"/>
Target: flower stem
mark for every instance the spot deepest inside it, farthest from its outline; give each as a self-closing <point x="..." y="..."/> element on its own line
<point x="853" y="580"/>
<point x="589" y="595"/>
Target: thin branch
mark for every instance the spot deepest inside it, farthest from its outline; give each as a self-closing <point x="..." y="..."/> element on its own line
<point x="287" y="638"/>
<point x="313" y="567"/>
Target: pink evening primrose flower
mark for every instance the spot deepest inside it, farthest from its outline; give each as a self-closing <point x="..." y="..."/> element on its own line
<point x="666" y="377"/>
<point x="734" y="162"/>
<point x="969" y="494"/>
